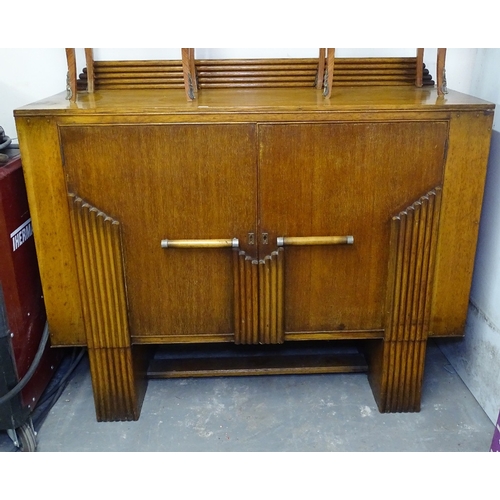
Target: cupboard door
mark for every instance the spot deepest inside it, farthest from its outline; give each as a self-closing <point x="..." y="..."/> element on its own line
<point x="175" y="182"/>
<point x="341" y="179"/>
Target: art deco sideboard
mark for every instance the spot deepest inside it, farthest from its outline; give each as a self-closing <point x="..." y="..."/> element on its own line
<point x="267" y="217"/>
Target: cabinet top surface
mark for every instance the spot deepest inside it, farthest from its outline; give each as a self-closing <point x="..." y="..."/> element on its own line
<point x="274" y="100"/>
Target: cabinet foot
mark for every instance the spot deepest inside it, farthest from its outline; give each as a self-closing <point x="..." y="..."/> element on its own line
<point x="395" y="373"/>
<point x="119" y="383"/>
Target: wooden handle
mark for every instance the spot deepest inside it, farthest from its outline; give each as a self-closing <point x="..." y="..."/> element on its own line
<point x="314" y="240"/>
<point x="216" y="243"/>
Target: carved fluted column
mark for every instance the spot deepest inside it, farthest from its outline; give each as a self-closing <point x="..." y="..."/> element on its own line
<point x="117" y="391"/>
<point x="397" y="362"/>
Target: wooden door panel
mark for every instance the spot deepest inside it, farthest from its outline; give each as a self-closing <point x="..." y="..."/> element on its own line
<point x="170" y="182"/>
<point x="337" y="180"/>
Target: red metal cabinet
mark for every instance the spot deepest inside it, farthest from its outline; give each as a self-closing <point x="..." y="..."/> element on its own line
<point x="20" y="280"/>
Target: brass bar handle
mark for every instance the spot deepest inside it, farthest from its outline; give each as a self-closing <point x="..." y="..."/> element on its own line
<point x="215" y="243"/>
<point x="314" y="240"/>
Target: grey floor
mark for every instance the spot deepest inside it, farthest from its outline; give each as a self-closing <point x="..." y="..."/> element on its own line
<point x="323" y="413"/>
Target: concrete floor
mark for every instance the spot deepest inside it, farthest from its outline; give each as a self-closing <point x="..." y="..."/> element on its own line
<point x="282" y="413"/>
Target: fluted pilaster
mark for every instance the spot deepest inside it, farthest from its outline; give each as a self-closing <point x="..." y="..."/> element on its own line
<point x="258" y="292"/>
<point x="98" y="249"/>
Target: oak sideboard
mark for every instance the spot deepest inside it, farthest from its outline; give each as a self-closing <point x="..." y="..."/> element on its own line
<point x="255" y="219"/>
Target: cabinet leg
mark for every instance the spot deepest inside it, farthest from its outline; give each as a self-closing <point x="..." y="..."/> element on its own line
<point x="118" y="381"/>
<point x="396" y="363"/>
<point x="395" y="373"/>
<point x="118" y="368"/>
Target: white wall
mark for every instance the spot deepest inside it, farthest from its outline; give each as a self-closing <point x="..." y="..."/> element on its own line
<point x="27" y="75"/>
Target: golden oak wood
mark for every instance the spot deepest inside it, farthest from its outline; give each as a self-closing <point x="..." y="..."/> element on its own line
<point x="440" y="70"/>
<point x="50" y="213"/>
<point x="322" y="179"/>
<point x="194" y="286"/>
<point x="71" y="78"/>
<point x="192" y="74"/>
<point x="89" y="59"/>
<point x="419" y="79"/>
<point x="111" y="175"/>
<point x="460" y="213"/>
<point x="330" y="63"/>
<point x="320" y="73"/>
<point x="258" y="73"/>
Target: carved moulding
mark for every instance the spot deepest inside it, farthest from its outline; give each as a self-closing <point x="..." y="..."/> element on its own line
<point x="258" y="294"/>
<point x="401" y="358"/>
<point x="98" y="249"/>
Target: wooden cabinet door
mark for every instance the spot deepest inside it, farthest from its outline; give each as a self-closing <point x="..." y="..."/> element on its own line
<point x="173" y="182"/>
<point x="341" y="179"/>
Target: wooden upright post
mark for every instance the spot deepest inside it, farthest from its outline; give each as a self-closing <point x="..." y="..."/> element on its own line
<point x="71" y="78"/>
<point x="419" y="78"/>
<point x="189" y="74"/>
<point x="321" y="69"/>
<point x="441" y="72"/>
<point x="89" y="60"/>
<point x="330" y="62"/>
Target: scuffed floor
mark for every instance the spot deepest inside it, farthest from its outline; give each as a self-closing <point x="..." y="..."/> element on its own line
<point x="324" y="413"/>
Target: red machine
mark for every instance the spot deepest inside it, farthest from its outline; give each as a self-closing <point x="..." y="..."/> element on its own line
<point x="23" y="329"/>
